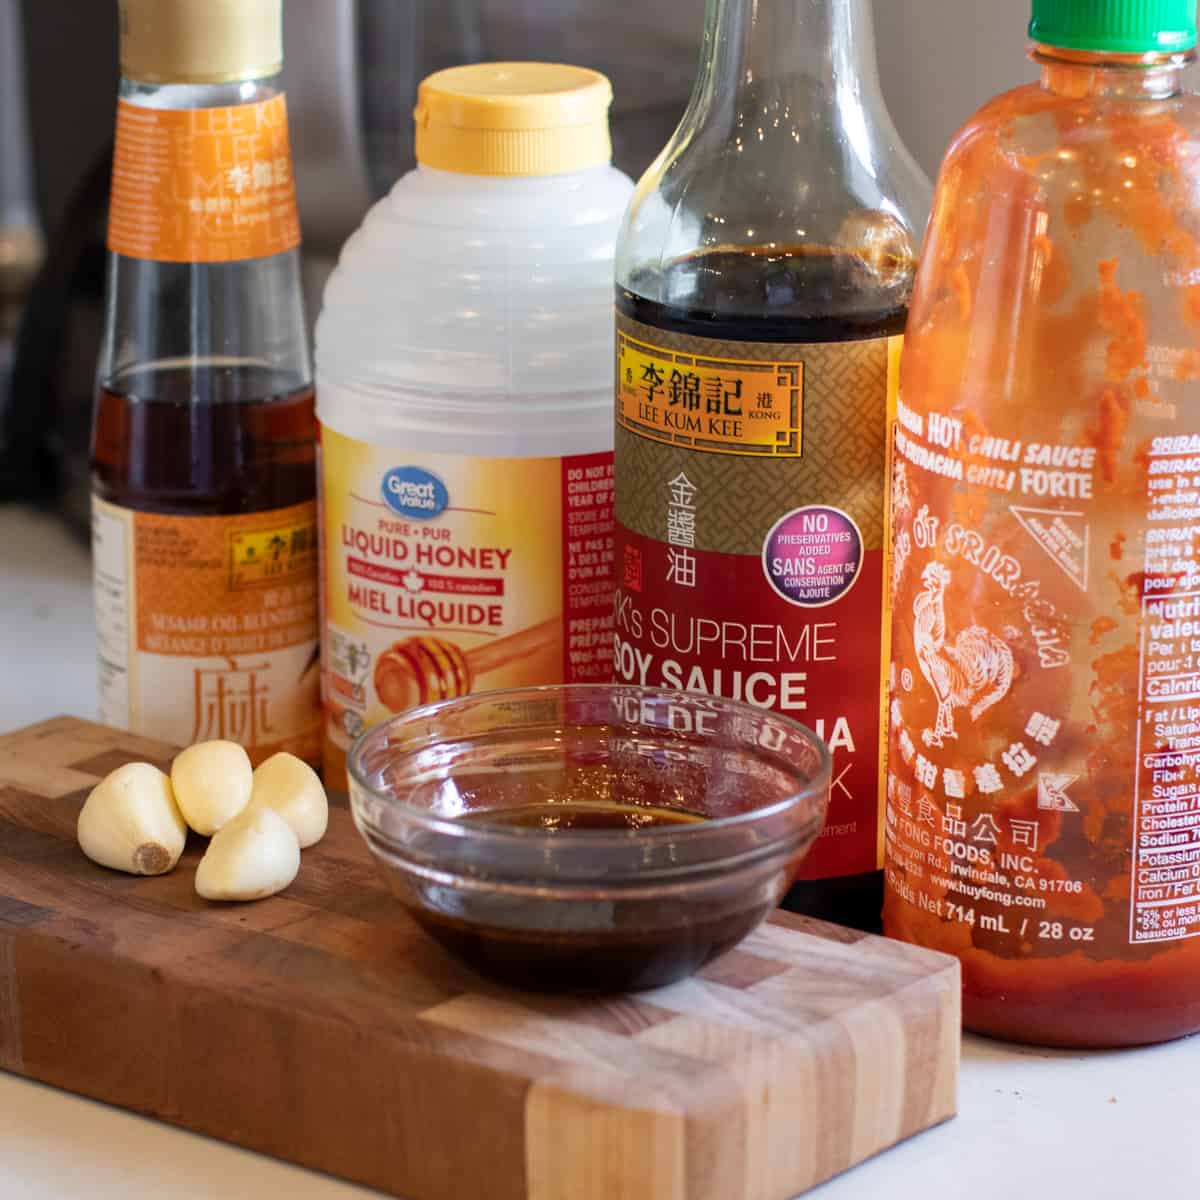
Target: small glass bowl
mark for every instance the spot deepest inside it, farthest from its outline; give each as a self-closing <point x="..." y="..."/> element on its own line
<point x="589" y="838"/>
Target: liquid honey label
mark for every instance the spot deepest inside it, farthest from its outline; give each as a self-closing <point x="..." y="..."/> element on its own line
<point x="445" y="574"/>
<point x="750" y="527"/>
<point x="207" y="626"/>
<point x="203" y="185"/>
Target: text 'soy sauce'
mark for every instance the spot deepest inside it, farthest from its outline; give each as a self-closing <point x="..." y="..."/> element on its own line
<point x="1043" y="814"/>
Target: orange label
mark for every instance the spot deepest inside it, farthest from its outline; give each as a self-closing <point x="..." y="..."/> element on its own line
<point x="203" y="185"/>
<point x="719" y="405"/>
<point x="207" y="626"/>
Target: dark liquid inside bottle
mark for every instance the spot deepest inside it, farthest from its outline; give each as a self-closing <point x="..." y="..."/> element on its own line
<point x="207" y="442"/>
<point x="791" y="294"/>
<point x="766" y="294"/>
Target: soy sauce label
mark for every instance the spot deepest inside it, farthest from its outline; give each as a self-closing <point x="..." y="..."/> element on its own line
<point x="750" y="552"/>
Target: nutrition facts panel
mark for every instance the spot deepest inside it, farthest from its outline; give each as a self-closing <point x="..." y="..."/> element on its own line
<point x="1165" y="888"/>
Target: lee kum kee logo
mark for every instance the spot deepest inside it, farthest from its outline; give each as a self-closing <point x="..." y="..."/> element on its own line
<point x="715" y="405"/>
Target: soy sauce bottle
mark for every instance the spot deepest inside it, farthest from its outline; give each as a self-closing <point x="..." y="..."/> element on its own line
<point x="204" y="435"/>
<point x="763" y="277"/>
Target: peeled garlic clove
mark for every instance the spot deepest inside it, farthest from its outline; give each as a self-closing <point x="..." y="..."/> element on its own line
<point x="212" y="782"/>
<point x="255" y="855"/>
<point x="131" y="822"/>
<point x="290" y="787"/>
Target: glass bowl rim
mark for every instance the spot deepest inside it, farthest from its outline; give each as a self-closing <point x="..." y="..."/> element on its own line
<point x="485" y="830"/>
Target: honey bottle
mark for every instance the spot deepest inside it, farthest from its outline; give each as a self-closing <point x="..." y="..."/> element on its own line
<point x="203" y="445"/>
<point x="464" y="395"/>
<point x="1044" y="790"/>
<point x="763" y="278"/>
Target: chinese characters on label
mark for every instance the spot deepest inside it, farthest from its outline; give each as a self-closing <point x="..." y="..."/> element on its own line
<point x="681" y="532"/>
<point x="717" y="405"/>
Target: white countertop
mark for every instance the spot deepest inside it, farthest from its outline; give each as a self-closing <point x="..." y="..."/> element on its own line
<point x="1033" y="1123"/>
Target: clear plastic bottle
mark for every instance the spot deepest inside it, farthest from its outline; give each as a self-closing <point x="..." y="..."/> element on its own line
<point x="203" y="442"/>
<point x="1044" y="791"/>
<point x="763" y="277"/>
<point x="464" y="391"/>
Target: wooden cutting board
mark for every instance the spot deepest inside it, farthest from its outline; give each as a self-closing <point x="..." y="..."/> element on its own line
<point x="323" y="1027"/>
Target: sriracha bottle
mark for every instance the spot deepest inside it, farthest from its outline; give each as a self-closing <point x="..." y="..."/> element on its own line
<point x="1044" y="790"/>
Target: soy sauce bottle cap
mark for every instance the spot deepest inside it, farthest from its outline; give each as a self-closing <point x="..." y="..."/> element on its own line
<point x="200" y="41"/>
<point x="1115" y="26"/>
<point x="513" y="119"/>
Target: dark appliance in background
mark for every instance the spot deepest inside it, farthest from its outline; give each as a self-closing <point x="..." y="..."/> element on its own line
<point x="21" y="247"/>
<point x="648" y="50"/>
<point x="352" y="69"/>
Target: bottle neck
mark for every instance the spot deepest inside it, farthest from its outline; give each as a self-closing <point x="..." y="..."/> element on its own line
<point x="785" y="60"/>
<point x="188" y="95"/>
<point x="1080" y="73"/>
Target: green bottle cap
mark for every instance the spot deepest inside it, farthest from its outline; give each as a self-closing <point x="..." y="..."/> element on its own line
<point x="1115" y="26"/>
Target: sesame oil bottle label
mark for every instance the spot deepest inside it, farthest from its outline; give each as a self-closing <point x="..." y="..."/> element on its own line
<point x="205" y="626"/>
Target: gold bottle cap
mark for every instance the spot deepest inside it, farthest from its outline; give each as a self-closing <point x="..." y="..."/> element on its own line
<point x="200" y="41"/>
<point x="513" y="119"/>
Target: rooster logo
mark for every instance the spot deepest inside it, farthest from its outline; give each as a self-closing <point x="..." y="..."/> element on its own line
<point x="973" y="672"/>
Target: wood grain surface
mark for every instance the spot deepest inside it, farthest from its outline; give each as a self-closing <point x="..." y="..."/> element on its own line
<point x="322" y="1027"/>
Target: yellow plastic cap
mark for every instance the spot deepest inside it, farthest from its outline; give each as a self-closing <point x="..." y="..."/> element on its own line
<point x="513" y="119"/>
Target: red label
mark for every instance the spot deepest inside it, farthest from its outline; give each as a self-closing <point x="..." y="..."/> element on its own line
<point x="587" y="535"/>
<point x="751" y="526"/>
<point x="720" y="623"/>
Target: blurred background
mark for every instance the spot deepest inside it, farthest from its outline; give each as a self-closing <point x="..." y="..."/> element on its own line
<point x="351" y="72"/>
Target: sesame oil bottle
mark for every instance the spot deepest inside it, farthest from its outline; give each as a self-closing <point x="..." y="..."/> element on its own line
<point x="203" y="446"/>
